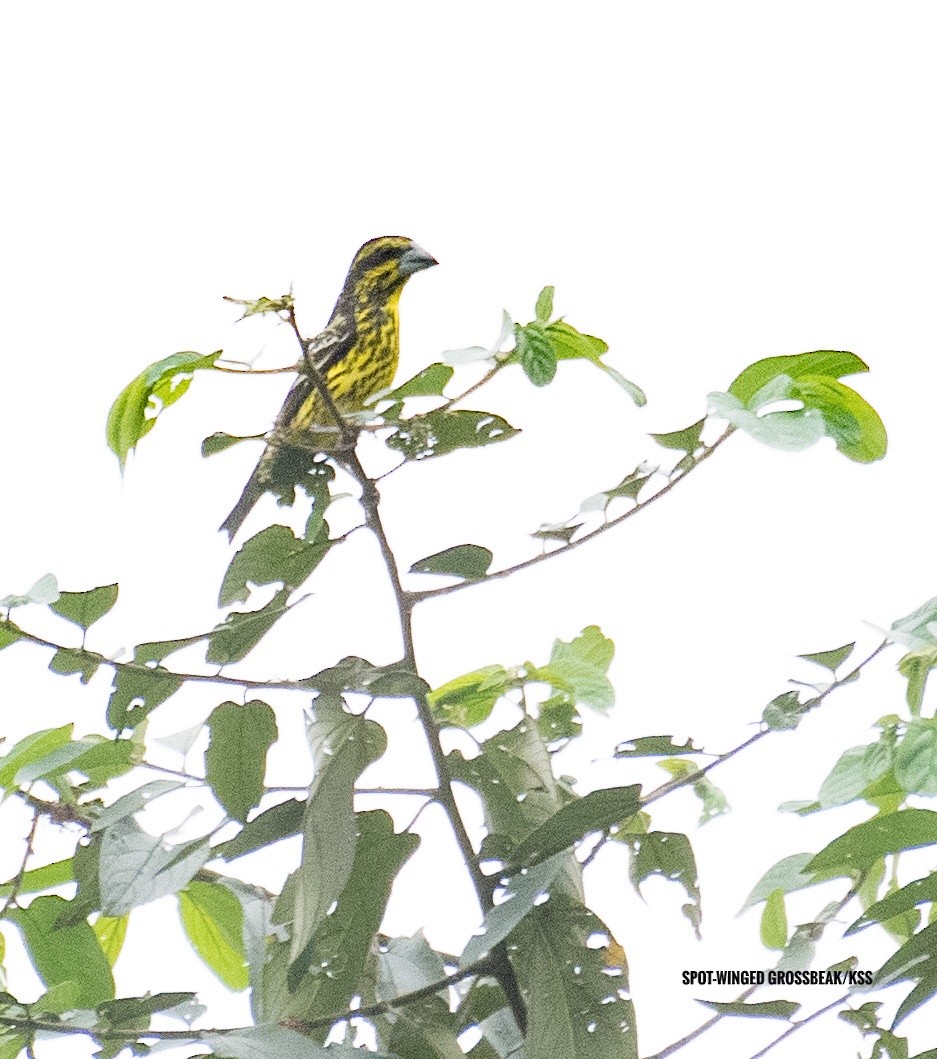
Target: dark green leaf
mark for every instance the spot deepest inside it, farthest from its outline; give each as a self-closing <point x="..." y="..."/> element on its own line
<point x="685" y="440"/>
<point x="655" y="746"/>
<point x="830" y="364"/>
<point x="577" y="990"/>
<point x="830" y="660"/>
<point x="544" y="309"/>
<point x="147" y="653"/>
<point x="860" y="846"/>
<point x="85" y="608"/>
<point x="767" y="1009"/>
<point x="628" y="488"/>
<point x="273" y="824"/>
<point x="445" y="430"/>
<point x="430" y="382"/>
<point x="714" y="801"/>
<point x="273" y="555"/>
<point x="64" y="954"/>
<point x="557" y="531"/>
<point x="136" y="693"/>
<point x="134" y="413"/>
<point x="134" y="1011"/>
<point x="468" y="700"/>
<point x="668" y="854"/>
<point x="916" y="757"/>
<point x="343" y="745"/>
<point x="522" y="894"/>
<point x="536" y="353"/>
<point x="918" y="892"/>
<point x="243" y="630"/>
<point x="236" y="758"/>
<point x="595" y="811"/>
<point x="359" y="675"/>
<point x="214" y="922"/>
<point x="468" y="561"/>
<point x="69" y="660"/>
<point x="333" y="959"/>
<point x="219" y="441"/>
<point x="558" y="718"/>
<point x="917" y="958"/>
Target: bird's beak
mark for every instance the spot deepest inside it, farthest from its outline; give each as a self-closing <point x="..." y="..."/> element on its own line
<point x="415" y="259"/>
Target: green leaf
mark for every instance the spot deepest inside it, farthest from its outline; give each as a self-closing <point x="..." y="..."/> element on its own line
<point x="85" y="608"/>
<point x="148" y="653"/>
<point x="544" y="309"/>
<point x="655" y="746"/>
<point x="856" y="768"/>
<point x="570" y="344"/>
<point x="44" y="878"/>
<point x="826" y="363"/>
<point x="595" y="811"/>
<point x="236" y="758"/>
<point x="64" y="954"/>
<point x="333" y="960"/>
<point x="521" y="896"/>
<point x="685" y="440"/>
<point x="830" y="660"/>
<point x="916" y="667"/>
<point x="468" y="700"/>
<point x="134" y="413"/>
<point x="557" y="531"/>
<point x="273" y="824"/>
<point x="557" y="718"/>
<point x="29" y="750"/>
<point x="784" y="712"/>
<point x="468" y="561"/>
<point x="137" y="867"/>
<point x="714" y="801"/>
<point x="407" y="964"/>
<point x="917" y="958"/>
<point x="917" y="629"/>
<point x="574" y="975"/>
<point x="214" y="922"/>
<point x="430" y="382"/>
<point x="136" y="693"/>
<point x="343" y="745"/>
<point x="850" y="420"/>
<point x="774" y="922"/>
<point x="111" y="932"/>
<point x="241" y="631"/>
<point x="789" y="874"/>
<point x="273" y="555"/>
<point x="766" y="1009"/>
<point x="580" y="667"/>
<point x="918" y="892"/>
<point x="130" y="1011"/>
<point x="860" y="846"/>
<point x="70" y="660"/>
<point x="359" y="675"/>
<point x="668" y="854"/>
<point x="9" y="633"/>
<point x="443" y="431"/>
<point x="536" y="353"/>
<point x="219" y="441"/>
<point x="916" y="757"/>
<point x="628" y="488"/>
<point x="132" y="802"/>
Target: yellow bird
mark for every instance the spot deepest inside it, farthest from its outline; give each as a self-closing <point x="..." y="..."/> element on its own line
<point x="356" y="355"/>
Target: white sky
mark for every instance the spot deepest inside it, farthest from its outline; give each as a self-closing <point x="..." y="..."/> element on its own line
<point x="704" y="184"/>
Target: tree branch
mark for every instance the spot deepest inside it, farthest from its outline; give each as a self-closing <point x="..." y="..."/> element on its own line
<point x="708" y="450"/>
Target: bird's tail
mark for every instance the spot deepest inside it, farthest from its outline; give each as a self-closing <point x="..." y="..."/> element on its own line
<point x="253" y="491"/>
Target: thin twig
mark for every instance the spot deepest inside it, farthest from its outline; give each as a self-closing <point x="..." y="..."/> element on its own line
<point x="21" y="874"/>
<point x="795" y="1026"/>
<point x="721" y="759"/>
<point x="708" y="450"/>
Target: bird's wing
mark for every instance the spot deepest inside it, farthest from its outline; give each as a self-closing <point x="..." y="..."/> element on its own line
<point x="328" y="347"/>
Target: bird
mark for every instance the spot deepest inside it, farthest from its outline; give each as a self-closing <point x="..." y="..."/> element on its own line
<point x="355" y="355"/>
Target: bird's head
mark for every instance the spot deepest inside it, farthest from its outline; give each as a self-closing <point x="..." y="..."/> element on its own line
<point x="383" y="265"/>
